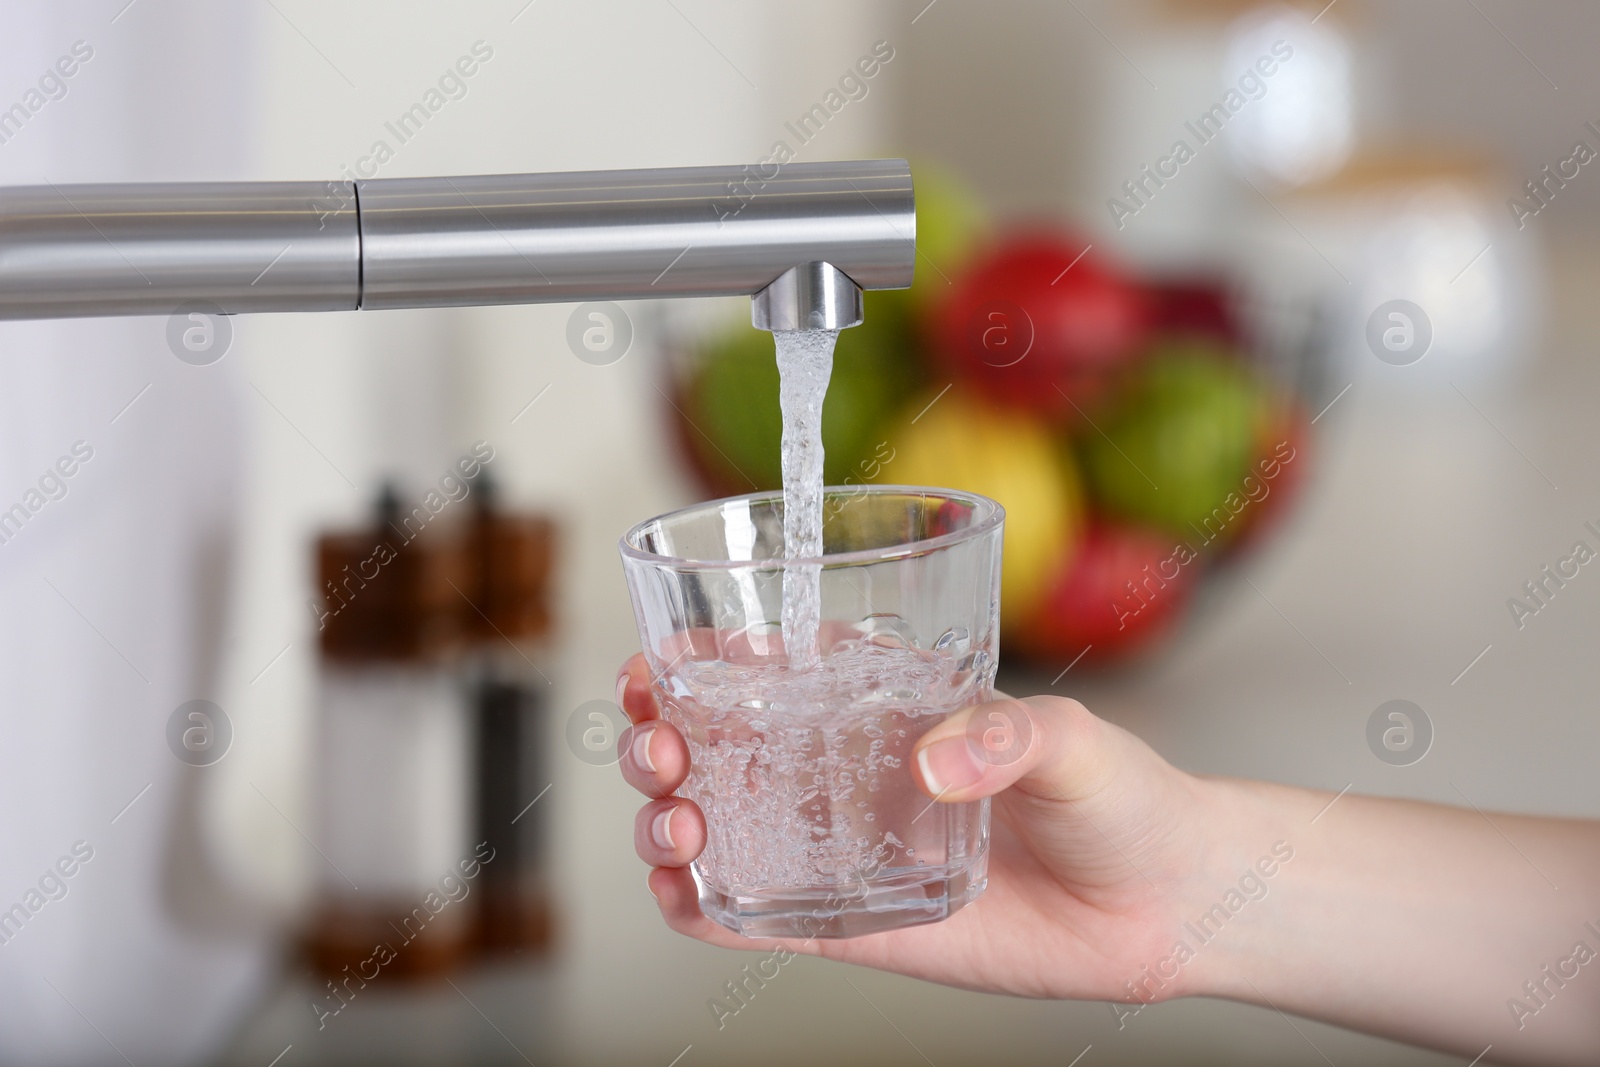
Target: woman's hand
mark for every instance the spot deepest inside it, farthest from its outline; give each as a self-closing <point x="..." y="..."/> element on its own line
<point x="1114" y="876"/>
<point x="1096" y="844"/>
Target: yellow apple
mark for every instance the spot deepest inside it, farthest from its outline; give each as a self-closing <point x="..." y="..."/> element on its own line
<point x="955" y="440"/>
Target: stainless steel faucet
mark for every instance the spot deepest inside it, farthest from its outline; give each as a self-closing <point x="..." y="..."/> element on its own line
<point x="802" y="239"/>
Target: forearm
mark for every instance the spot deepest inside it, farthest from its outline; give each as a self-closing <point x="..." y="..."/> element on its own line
<point x="1421" y="922"/>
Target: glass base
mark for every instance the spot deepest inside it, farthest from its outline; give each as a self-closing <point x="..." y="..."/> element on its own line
<point x="887" y="901"/>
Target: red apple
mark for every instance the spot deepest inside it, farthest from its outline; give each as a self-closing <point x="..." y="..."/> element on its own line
<point x="1037" y="323"/>
<point x="1126" y="585"/>
<point x="1189" y="307"/>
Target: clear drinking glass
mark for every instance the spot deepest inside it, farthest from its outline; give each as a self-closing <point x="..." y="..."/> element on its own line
<point x="814" y="825"/>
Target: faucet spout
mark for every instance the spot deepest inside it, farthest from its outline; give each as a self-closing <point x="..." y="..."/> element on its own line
<point x="808" y="296"/>
<point x="804" y="238"/>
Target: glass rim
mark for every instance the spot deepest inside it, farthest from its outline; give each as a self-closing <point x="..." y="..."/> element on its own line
<point x="990" y="514"/>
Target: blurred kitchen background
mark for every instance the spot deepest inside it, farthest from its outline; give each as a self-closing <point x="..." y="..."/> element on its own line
<point x="1442" y="458"/>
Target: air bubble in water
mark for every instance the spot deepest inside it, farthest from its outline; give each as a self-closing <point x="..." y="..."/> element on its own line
<point x="775" y="785"/>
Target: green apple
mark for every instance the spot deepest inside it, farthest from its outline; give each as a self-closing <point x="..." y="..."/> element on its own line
<point x="1176" y="444"/>
<point x="952" y="224"/>
<point x="732" y="403"/>
<point x="731" y="407"/>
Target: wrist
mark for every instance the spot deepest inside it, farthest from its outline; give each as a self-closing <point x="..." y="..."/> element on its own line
<point x="1244" y="854"/>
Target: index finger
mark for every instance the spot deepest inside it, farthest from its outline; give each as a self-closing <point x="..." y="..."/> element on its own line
<point x="634" y="692"/>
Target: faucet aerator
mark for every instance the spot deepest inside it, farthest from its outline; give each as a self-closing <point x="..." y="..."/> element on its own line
<point x="810" y="296"/>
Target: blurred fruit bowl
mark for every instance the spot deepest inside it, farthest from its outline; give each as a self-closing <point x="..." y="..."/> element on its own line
<point x="1129" y="426"/>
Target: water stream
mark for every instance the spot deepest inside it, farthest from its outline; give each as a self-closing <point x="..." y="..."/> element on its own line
<point x="805" y="362"/>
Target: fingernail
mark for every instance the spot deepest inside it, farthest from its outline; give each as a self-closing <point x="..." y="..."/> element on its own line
<point x="948" y="764"/>
<point x="622" y="689"/>
<point x="640" y="748"/>
<point x="661" y="831"/>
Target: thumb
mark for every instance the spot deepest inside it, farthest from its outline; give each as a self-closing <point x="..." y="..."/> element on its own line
<point x="1051" y="746"/>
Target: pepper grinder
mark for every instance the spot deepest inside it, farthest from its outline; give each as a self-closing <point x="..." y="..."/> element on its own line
<point x="508" y="627"/>
<point x="393" y="751"/>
